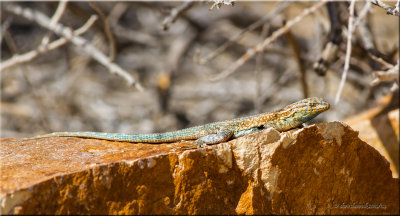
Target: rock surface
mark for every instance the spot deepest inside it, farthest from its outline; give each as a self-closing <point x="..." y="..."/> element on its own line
<point x="381" y="131"/>
<point x="321" y="169"/>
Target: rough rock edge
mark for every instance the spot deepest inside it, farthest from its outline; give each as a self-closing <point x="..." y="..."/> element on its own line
<point x="249" y="163"/>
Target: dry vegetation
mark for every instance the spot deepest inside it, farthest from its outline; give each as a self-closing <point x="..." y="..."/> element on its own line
<point x="137" y="67"/>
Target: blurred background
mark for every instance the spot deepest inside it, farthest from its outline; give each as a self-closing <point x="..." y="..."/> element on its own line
<point x="146" y="67"/>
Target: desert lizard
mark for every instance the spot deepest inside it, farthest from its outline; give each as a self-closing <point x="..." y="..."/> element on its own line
<point x="291" y="116"/>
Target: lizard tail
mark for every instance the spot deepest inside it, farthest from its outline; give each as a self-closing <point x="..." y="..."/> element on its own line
<point x="138" y="138"/>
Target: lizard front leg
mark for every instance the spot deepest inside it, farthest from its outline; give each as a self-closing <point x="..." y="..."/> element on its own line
<point x="223" y="135"/>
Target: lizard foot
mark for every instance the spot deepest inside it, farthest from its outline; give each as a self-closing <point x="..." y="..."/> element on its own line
<point x="200" y="143"/>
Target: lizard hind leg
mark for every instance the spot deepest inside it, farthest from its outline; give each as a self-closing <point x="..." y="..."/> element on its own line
<point x="224" y="134"/>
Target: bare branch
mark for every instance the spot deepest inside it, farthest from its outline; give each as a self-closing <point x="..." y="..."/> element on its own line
<point x="387" y="76"/>
<point x="18" y="59"/>
<point x="348" y="51"/>
<point x="175" y="13"/>
<point x="389" y="10"/>
<point x="366" y="35"/>
<point x="363" y="13"/>
<point x="54" y="20"/>
<point x="130" y="34"/>
<point x="258" y="69"/>
<point x="4" y="27"/>
<point x="297" y="57"/>
<point x="251" y="27"/>
<point x="107" y="30"/>
<point x="331" y="49"/>
<point x="380" y="60"/>
<point x="219" y="3"/>
<point x="350" y="30"/>
<point x="252" y="51"/>
<point x="80" y="42"/>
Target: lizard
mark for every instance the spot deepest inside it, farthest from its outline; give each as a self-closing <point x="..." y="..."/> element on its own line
<point x="287" y="118"/>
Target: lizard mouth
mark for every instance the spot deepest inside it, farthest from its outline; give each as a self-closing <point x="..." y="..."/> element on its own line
<point x="261" y="127"/>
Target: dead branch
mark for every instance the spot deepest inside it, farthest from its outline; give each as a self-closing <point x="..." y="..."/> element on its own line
<point x="80" y="42"/>
<point x="175" y="13"/>
<point x="238" y="36"/>
<point x="4" y="27"/>
<point x="129" y="34"/>
<point x="257" y="71"/>
<point x="107" y="30"/>
<point x="297" y="56"/>
<point x="330" y="52"/>
<point x="54" y="20"/>
<point x="252" y="51"/>
<point x="350" y="31"/>
<point x="386" y="76"/>
<point x="380" y="61"/>
<point x="29" y="56"/>
<point x="219" y="3"/>
<point x="389" y="10"/>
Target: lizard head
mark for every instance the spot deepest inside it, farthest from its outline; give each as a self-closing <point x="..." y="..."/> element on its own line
<point x="295" y="114"/>
<point x="308" y="108"/>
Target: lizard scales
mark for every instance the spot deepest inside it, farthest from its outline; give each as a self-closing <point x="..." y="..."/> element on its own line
<point x="289" y="117"/>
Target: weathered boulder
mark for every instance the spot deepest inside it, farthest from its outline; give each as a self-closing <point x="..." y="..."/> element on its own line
<point x="381" y="131"/>
<point x="320" y="169"/>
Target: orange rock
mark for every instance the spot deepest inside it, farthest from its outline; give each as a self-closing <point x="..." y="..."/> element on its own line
<point x="379" y="127"/>
<point x="320" y="169"/>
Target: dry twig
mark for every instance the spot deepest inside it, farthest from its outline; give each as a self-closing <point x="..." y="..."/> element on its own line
<point x="257" y="71"/>
<point x="389" y="10"/>
<point x="252" y="51"/>
<point x="251" y="27"/>
<point x="80" y="42"/>
<point x="331" y="49"/>
<point x="175" y="13"/>
<point x="107" y="30"/>
<point x="137" y="36"/>
<point x="380" y="61"/>
<point x="297" y="57"/>
<point x="54" y="20"/>
<point x="4" y="27"/>
<point x="29" y="56"/>
<point x="350" y="30"/>
<point x="219" y="3"/>
<point x="387" y="76"/>
<point x="366" y="36"/>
